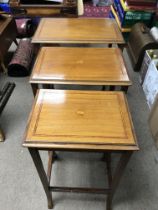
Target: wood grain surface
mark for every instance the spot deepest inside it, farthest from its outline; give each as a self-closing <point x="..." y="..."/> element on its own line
<point x="88" y="66"/>
<point x="77" y="30"/>
<point x="80" y="120"/>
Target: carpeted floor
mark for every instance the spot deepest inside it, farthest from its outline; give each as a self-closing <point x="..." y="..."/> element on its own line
<point x="20" y="187"/>
<point x="94" y="11"/>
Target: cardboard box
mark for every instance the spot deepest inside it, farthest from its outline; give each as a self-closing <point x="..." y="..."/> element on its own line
<point x="153" y="121"/>
<point x="150" y="85"/>
<point x="4" y="1"/>
<point x="148" y="57"/>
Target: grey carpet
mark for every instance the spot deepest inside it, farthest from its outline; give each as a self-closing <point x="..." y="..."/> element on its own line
<point x="20" y="187"/>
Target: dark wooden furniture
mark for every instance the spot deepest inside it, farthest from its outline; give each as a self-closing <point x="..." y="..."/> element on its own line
<point x="1" y="135"/>
<point x="5" y="94"/>
<point x="34" y="8"/>
<point x="79" y="66"/>
<point x="77" y="31"/>
<point x="80" y="121"/>
<point x="8" y="32"/>
<point x="139" y="41"/>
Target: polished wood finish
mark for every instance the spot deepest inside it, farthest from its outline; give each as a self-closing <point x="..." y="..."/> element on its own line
<point x="86" y="118"/>
<point x="78" y="30"/>
<point x="8" y="32"/>
<point x="82" y="66"/>
<point x="80" y="121"/>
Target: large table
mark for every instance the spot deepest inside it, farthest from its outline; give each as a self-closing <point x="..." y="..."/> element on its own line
<point x="78" y="31"/>
<point x="80" y="121"/>
<point x="79" y="66"/>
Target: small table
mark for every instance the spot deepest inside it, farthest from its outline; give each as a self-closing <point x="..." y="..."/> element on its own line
<point x="81" y="66"/>
<point x="8" y="32"/>
<point x="80" y="121"/>
<point x="78" y="31"/>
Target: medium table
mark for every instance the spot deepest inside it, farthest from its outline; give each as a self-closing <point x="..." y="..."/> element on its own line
<point x="80" y="66"/>
<point x="80" y="121"/>
<point x="78" y="31"/>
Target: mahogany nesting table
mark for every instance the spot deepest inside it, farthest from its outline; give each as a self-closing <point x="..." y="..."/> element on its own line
<point x="80" y="66"/>
<point x="78" y="31"/>
<point x="80" y="121"/>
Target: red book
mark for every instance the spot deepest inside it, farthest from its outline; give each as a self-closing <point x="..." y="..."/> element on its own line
<point x="150" y="3"/>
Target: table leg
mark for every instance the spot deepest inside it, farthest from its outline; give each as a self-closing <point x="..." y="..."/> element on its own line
<point x="34" y="88"/>
<point x="109" y="45"/>
<point x="111" y="87"/>
<point x="52" y="156"/>
<point x="124" y="88"/>
<point x="42" y="174"/>
<point x="3" y="67"/>
<point x="48" y="86"/>
<point x="122" y="46"/>
<point x="15" y="41"/>
<point x="107" y="157"/>
<point x="103" y="88"/>
<point x="125" y="156"/>
<point x="1" y="135"/>
<point x="108" y="166"/>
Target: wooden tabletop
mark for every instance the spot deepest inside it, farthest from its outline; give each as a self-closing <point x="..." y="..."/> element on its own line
<point x="77" y="30"/>
<point x="86" y="120"/>
<point x="89" y="66"/>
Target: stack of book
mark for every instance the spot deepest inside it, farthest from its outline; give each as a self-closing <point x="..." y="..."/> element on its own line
<point x="129" y="12"/>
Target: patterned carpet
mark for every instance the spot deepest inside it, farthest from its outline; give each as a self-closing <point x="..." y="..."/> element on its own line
<point x="95" y="11"/>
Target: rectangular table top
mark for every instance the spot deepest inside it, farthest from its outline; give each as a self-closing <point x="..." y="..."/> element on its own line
<point x="84" y="66"/>
<point x="86" y="120"/>
<point x="77" y="30"/>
